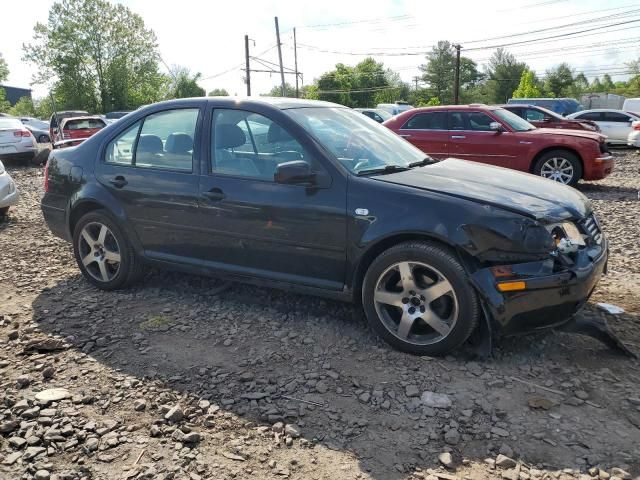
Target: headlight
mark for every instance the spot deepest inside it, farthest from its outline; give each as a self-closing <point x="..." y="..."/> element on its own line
<point x="566" y="236"/>
<point x="12" y="187"/>
<point x="1" y="168"/>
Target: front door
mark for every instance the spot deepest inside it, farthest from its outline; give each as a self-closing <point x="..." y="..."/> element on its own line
<point x="616" y="126"/>
<point x="472" y="139"/>
<point x="254" y="226"/>
<point x="429" y="132"/>
<point x="151" y="169"/>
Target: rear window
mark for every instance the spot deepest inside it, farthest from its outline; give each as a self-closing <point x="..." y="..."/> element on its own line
<point x="427" y="121"/>
<point x="82" y="124"/>
<point x="10" y="123"/>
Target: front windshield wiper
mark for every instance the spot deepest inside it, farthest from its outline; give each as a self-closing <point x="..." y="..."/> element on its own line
<point x="385" y="169"/>
<point x="422" y="163"/>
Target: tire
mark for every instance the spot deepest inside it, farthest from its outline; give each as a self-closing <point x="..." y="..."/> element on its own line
<point x="105" y="248"/>
<point x="3" y="212"/>
<point x="44" y="139"/>
<point x="569" y="169"/>
<point x="456" y="311"/>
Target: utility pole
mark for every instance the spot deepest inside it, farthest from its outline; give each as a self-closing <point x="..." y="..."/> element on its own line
<point x="456" y="78"/>
<point x="280" y="56"/>
<point x="295" y="60"/>
<point x="416" y="79"/>
<point x="246" y="58"/>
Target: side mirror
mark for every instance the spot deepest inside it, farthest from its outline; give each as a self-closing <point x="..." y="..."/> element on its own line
<point x="296" y="172"/>
<point x="496" y="127"/>
<point x="547" y="118"/>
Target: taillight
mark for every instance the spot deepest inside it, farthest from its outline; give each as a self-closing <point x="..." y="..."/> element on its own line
<point x="46" y="177"/>
<point x="636" y="125"/>
<point x="22" y="133"/>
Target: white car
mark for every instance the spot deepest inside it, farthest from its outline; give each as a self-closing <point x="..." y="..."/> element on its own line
<point x="615" y="124"/>
<point x="35" y="123"/>
<point x="16" y="139"/>
<point x="633" y="140"/>
<point x="8" y="191"/>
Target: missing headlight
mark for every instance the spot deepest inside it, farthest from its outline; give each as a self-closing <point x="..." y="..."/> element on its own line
<point x="566" y="236"/>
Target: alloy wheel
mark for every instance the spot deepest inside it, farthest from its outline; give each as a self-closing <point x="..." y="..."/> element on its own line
<point x="558" y="169"/>
<point x="416" y="303"/>
<point x="99" y="251"/>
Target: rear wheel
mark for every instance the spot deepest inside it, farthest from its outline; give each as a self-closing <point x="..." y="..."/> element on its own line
<point x="559" y="165"/>
<point x="103" y="252"/>
<point x="417" y="298"/>
<point x="3" y="212"/>
<point x="44" y="139"/>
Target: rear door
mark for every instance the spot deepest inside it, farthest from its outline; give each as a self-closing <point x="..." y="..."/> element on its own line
<point x="617" y="126"/>
<point x="150" y="168"/>
<point x="473" y="139"/>
<point x="429" y="132"/>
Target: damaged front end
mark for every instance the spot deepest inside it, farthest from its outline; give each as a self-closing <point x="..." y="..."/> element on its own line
<point x="533" y="275"/>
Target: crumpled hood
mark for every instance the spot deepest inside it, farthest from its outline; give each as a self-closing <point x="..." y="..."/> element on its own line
<point x="523" y="193"/>
<point x="598" y="137"/>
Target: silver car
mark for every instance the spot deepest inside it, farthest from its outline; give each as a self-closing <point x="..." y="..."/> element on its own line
<point x="615" y="124"/>
<point x="8" y="191"/>
<point x="16" y="139"/>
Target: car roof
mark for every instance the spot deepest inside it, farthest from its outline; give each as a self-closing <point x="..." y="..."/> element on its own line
<point x="603" y="110"/>
<point x="475" y="106"/>
<point x="282" y="103"/>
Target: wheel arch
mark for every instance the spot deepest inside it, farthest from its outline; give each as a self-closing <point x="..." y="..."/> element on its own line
<point x="387" y="242"/>
<point x="537" y="156"/>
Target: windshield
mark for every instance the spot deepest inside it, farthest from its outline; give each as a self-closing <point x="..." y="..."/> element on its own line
<point x="358" y="143"/>
<point x="383" y="113"/>
<point x="551" y="113"/>
<point x="517" y="123"/>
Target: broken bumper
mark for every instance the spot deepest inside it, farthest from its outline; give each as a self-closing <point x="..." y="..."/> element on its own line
<point x="549" y="298"/>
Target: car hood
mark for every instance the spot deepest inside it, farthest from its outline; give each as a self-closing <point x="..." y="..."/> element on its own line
<point x="519" y="192"/>
<point x="598" y="137"/>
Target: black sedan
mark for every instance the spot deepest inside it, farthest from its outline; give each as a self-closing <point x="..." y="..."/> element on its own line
<point x="315" y="197"/>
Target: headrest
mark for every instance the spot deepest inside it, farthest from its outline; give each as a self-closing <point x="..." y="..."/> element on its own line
<point x="150" y="143"/>
<point x="229" y="136"/>
<point x="277" y="134"/>
<point x="179" y="143"/>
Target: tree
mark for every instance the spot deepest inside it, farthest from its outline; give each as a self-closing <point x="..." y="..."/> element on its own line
<point x="607" y="83"/>
<point x="276" y="91"/>
<point x="100" y="56"/>
<point x="439" y="72"/>
<point x="504" y="73"/>
<point x="596" y="85"/>
<point x="23" y="108"/>
<point x="4" y="74"/>
<point x="184" y="84"/>
<point x="580" y="84"/>
<point x="527" y="86"/>
<point x="559" y="80"/>
<point x="218" y="92"/>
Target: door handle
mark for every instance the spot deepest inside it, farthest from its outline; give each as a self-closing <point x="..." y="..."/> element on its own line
<point x="458" y="136"/>
<point x="405" y="135"/>
<point x="118" y="181"/>
<point x="214" y="194"/>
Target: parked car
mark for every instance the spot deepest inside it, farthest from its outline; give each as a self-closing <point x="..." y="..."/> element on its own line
<point x="16" y="140"/>
<point x="377" y="114"/>
<point x="41" y="134"/>
<point x="615" y="124"/>
<point x="78" y="128"/>
<point x="346" y="210"/>
<point x="543" y="118"/>
<point x="498" y="137"/>
<point x="8" y="192"/>
<point x="394" y="108"/>
<point x="35" y="123"/>
<point x="562" y="106"/>
<point x="111" y="117"/>
<point x="632" y="105"/>
<point x="633" y="140"/>
<point x="58" y="117"/>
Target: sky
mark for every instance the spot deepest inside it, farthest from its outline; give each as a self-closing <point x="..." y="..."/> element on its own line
<point x="208" y="36"/>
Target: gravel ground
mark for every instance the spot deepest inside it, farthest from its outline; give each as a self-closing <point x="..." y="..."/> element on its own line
<point x="171" y="379"/>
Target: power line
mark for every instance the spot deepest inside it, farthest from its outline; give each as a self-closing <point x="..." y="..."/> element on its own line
<point x="357" y="22"/>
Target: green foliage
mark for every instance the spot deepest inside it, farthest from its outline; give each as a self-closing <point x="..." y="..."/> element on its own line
<point x="527" y="87"/>
<point x="23" y="108"/>
<point x="4" y="104"/>
<point x="100" y="56"/>
<point x="439" y="72"/>
<point x="276" y="91"/>
<point x="504" y="73"/>
<point x="558" y="81"/>
<point x="218" y="92"/>
<point x="4" y="69"/>
<point x="184" y="84"/>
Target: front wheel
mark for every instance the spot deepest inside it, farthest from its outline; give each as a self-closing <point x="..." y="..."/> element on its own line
<point x="103" y="252"/>
<point x="44" y="139"/>
<point x="416" y="296"/>
<point x="560" y="166"/>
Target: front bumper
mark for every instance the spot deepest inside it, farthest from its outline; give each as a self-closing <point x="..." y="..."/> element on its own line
<point x="634" y="139"/>
<point x="550" y="298"/>
<point x="8" y="191"/>
<point x="599" y="167"/>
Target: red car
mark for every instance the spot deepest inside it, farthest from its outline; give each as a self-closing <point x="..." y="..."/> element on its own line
<point x="496" y="136"/>
<point x="544" y="118"/>
<point x="76" y="129"/>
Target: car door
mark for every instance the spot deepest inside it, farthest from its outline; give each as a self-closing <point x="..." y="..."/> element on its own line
<point x="150" y="168"/>
<point x="252" y="225"/>
<point x="429" y="132"/>
<point x="618" y="126"/>
<point x="596" y="117"/>
<point x="473" y="139"/>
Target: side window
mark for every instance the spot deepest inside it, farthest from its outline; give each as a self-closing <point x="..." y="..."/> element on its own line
<point x="521" y="112"/>
<point x="594" y="116"/>
<point x="616" y="117"/>
<point x="427" y="121"/>
<point x="166" y="140"/>
<point x="479" y="121"/>
<point x="248" y="144"/>
<point x="534" y="115"/>
<point x="120" y="150"/>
